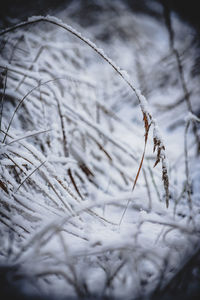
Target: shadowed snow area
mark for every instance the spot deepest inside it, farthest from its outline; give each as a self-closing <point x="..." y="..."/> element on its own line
<point x="100" y="169"/>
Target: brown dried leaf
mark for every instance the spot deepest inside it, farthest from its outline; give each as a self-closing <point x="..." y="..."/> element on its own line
<point x="3" y="186"/>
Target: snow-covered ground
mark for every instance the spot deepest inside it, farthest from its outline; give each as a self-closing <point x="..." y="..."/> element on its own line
<point x="81" y="213"/>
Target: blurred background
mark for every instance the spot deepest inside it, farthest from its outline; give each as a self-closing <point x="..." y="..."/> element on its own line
<point x="12" y="10"/>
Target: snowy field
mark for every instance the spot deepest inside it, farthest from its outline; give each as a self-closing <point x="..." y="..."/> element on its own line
<point x="100" y="169"/>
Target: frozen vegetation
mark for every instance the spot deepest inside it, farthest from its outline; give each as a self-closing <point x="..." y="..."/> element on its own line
<point x="100" y="170"/>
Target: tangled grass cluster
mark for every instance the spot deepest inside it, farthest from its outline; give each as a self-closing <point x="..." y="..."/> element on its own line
<point x="87" y="209"/>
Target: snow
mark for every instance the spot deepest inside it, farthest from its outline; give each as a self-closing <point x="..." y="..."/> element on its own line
<point x="65" y="207"/>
